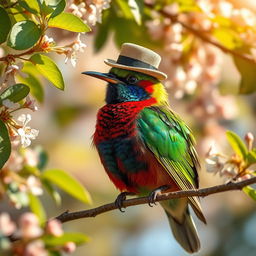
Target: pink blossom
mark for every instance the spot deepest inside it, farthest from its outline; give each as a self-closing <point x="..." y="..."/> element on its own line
<point x="7" y="226"/>
<point x="29" y="226"/>
<point x="36" y="248"/>
<point x="31" y="157"/>
<point x="15" y="162"/>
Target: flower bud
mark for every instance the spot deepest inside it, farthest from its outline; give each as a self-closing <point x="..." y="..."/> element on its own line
<point x="249" y="138"/>
<point x="245" y="177"/>
<point x="54" y="227"/>
<point x="69" y="247"/>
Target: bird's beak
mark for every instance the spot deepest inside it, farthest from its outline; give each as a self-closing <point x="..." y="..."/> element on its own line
<point x="103" y="76"/>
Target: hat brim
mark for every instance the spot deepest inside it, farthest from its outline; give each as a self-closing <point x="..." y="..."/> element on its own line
<point x="155" y="73"/>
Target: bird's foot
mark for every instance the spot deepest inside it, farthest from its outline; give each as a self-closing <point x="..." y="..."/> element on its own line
<point x="121" y="198"/>
<point x="153" y="194"/>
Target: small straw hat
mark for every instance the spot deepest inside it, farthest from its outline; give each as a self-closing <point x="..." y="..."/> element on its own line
<point x="137" y="58"/>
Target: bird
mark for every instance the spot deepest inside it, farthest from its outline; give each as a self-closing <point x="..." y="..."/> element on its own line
<point x="144" y="146"/>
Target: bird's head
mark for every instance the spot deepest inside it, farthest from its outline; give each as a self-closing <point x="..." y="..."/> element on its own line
<point x="126" y="85"/>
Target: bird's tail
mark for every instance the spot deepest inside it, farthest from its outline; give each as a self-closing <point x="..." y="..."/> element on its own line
<point x="182" y="224"/>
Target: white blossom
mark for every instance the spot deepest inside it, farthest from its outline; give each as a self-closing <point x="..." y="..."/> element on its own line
<point x="16" y="69"/>
<point x="9" y="104"/>
<point x="78" y="10"/>
<point x="229" y="171"/>
<point x="71" y="55"/>
<point x="89" y="11"/>
<point x="26" y="133"/>
<point x="78" y="46"/>
<point x="48" y="39"/>
<point x="30" y="104"/>
<point x="214" y="161"/>
<point x="34" y="185"/>
<point x="8" y="77"/>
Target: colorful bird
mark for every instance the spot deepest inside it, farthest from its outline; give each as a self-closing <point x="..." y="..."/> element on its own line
<point x="144" y="146"/>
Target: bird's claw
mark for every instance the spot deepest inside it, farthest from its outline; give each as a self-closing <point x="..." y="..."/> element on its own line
<point x="152" y="198"/>
<point x="120" y="200"/>
<point x="153" y="194"/>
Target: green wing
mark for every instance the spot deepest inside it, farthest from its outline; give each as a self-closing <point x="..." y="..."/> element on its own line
<point x="172" y="143"/>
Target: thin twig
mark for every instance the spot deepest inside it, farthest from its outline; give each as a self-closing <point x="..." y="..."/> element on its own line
<point x="68" y="216"/>
<point x="11" y="5"/>
<point x="204" y="36"/>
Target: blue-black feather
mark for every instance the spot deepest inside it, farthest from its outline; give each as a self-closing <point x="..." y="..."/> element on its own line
<point x="118" y="93"/>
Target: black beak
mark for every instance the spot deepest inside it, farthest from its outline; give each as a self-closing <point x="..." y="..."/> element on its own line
<point x="104" y="76"/>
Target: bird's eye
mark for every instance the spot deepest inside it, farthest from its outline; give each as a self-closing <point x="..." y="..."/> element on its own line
<point x="132" y="79"/>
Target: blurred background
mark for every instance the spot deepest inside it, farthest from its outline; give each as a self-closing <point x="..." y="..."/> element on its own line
<point x="203" y="92"/>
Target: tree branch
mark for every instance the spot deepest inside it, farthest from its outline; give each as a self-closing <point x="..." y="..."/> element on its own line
<point x="203" y="35"/>
<point x="68" y="216"/>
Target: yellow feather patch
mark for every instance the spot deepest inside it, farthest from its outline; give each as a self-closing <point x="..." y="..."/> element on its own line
<point x="160" y="94"/>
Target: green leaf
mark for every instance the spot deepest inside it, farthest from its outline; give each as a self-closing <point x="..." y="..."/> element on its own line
<point x="251" y="192"/>
<point x="77" y="238"/>
<point x="248" y="75"/>
<point x="30" y="5"/>
<point x="124" y="7"/>
<point x="47" y="67"/>
<point x="52" y="192"/>
<point x="237" y="144"/>
<point x="130" y="9"/>
<point x="18" y="14"/>
<point x="251" y="157"/>
<point x="52" y="3"/>
<point x="5" y="25"/>
<point x="14" y="93"/>
<point x="228" y="37"/>
<point x="129" y="31"/>
<point x="59" y="8"/>
<point x="54" y="253"/>
<point x="35" y="86"/>
<point x="102" y="32"/>
<point x="135" y="10"/>
<point x="5" y="144"/>
<point x="66" y="114"/>
<point x="222" y="21"/>
<point x="68" y="184"/>
<point x="23" y="35"/>
<point x="5" y="245"/>
<point x="37" y="208"/>
<point x="188" y="6"/>
<point x="69" y="21"/>
<point x="28" y="170"/>
<point x="45" y="9"/>
<point x="42" y="157"/>
<point x="19" y="198"/>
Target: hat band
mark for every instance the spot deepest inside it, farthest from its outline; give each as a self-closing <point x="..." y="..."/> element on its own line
<point x="127" y="61"/>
